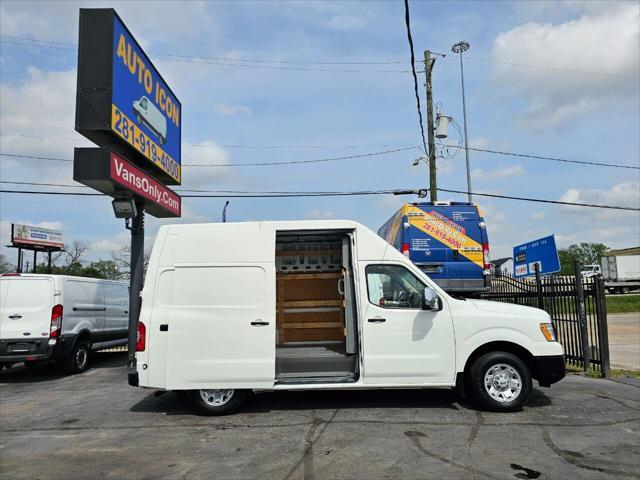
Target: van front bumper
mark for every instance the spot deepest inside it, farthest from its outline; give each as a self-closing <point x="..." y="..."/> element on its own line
<point x="550" y="369"/>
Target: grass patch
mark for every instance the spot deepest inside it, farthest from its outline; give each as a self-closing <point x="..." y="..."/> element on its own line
<point x="622" y="373"/>
<point x="623" y="304"/>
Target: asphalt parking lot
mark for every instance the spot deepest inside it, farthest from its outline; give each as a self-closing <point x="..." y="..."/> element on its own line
<point x="94" y="425"/>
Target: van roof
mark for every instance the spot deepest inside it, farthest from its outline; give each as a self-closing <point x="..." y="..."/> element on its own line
<point x="54" y="276"/>
<point x="278" y="224"/>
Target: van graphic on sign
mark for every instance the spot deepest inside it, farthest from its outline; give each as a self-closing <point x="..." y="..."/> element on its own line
<point x="148" y="113"/>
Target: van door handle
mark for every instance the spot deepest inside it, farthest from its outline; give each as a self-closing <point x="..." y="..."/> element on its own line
<point x="259" y="323"/>
<point x="164" y="327"/>
<point x="377" y="320"/>
<point x="15" y="317"/>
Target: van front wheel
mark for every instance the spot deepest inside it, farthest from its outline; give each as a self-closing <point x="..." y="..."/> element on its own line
<point x="215" y="402"/>
<point x="500" y="381"/>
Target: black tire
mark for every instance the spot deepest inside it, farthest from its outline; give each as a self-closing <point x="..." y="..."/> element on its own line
<point x="507" y="366"/>
<point x="138" y="119"/>
<point x="624" y="290"/>
<point x="208" y="408"/>
<point x="78" y="361"/>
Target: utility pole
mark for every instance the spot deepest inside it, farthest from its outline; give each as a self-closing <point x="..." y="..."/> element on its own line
<point x="433" y="187"/>
<point x="136" y="273"/>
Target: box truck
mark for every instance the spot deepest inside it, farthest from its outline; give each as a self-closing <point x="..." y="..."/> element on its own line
<point x="621" y="270"/>
<point x="228" y="308"/>
<point x="60" y="317"/>
<point x="446" y="240"/>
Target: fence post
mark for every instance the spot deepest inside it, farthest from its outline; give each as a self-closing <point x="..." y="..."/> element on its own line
<point x="539" y="286"/>
<point x="603" y="328"/>
<point x="582" y="317"/>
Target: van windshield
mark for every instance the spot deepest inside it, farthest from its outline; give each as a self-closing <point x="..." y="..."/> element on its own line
<point x="143" y="102"/>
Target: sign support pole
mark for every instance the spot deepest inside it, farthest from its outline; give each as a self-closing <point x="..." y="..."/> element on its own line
<point x="19" y="265"/>
<point x="135" y="278"/>
<point x="49" y="262"/>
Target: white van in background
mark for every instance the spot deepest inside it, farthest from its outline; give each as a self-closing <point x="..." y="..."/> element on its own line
<point x="59" y="317"/>
<point x="232" y="307"/>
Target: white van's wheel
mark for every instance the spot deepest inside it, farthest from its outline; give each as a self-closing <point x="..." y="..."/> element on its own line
<point x="79" y="359"/>
<point x="500" y="381"/>
<point x="217" y="401"/>
<point x="138" y="118"/>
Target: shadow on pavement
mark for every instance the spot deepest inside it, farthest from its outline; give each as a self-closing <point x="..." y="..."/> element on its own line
<point x="175" y="403"/>
<point x="20" y="373"/>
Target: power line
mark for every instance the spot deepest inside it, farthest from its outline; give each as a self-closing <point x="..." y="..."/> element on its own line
<point x="204" y="145"/>
<point x="407" y="22"/>
<point x="364" y="155"/>
<point x="231" y="59"/>
<point x="281" y="194"/>
<point x="553" y="159"/>
<point x="225" y="63"/>
<point x="35" y="42"/>
<point x="540" y="200"/>
<point x="252" y="164"/>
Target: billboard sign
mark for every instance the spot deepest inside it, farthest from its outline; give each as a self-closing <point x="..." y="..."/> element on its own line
<point x="109" y="173"/>
<point x="542" y="252"/>
<point x="29" y="236"/>
<point x="122" y="102"/>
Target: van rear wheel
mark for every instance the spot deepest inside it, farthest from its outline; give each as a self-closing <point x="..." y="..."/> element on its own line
<point x="214" y="402"/>
<point x="79" y="359"/>
<point x="500" y="382"/>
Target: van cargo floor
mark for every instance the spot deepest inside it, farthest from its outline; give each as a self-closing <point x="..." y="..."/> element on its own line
<point x="314" y="360"/>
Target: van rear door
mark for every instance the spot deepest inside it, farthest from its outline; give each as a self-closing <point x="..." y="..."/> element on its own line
<point x="25" y="307"/>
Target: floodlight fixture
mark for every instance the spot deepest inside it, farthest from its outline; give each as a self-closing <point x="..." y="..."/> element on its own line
<point x="124" y="208"/>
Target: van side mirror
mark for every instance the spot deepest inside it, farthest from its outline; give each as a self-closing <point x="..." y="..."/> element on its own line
<point x="430" y="300"/>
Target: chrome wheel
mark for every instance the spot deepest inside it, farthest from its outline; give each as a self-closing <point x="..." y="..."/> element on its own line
<point x="216" y="398"/>
<point x="503" y="382"/>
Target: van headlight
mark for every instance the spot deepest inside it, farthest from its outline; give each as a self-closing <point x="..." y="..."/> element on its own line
<point x="548" y="332"/>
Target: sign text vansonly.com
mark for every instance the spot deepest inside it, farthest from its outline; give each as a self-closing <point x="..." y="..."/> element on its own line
<point x="139" y="182"/>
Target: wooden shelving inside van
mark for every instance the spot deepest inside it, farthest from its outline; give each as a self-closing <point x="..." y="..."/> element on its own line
<point x="310" y="307"/>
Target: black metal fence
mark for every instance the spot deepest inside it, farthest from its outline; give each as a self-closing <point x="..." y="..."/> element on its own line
<point x="577" y="307"/>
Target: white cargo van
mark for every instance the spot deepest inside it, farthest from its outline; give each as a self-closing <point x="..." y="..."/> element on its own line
<point x="233" y="307"/>
<point x="150" y="115"/>
<point x="59" y="317"/>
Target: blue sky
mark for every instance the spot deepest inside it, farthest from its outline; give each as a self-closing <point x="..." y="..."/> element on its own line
<point x="547" y="111"/>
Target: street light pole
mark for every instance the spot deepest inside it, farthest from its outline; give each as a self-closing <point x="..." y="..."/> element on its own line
<point x="459" y="48"/>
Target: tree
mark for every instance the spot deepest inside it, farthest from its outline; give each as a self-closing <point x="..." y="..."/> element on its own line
<point x="5" y="266"/>
<point x="585" y="253"/>
<point x="107" y="269"/>
<point x="69" y="260"/>
<point x="123" y="261"/>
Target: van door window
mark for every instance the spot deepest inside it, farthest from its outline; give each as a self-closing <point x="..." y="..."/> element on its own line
<point x="393" y="286"/>
<point x="143" y="102"/>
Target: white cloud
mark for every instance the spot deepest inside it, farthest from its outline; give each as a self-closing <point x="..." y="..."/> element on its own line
<point x="207" y="153"/>
<point x="538" y="216"/>
<point x="232" y="110"/>
<point x="502" y="172"/>
<point x="602" y="40"/>
<point x="616" y="228"/>
<point x="625" y="194"/>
